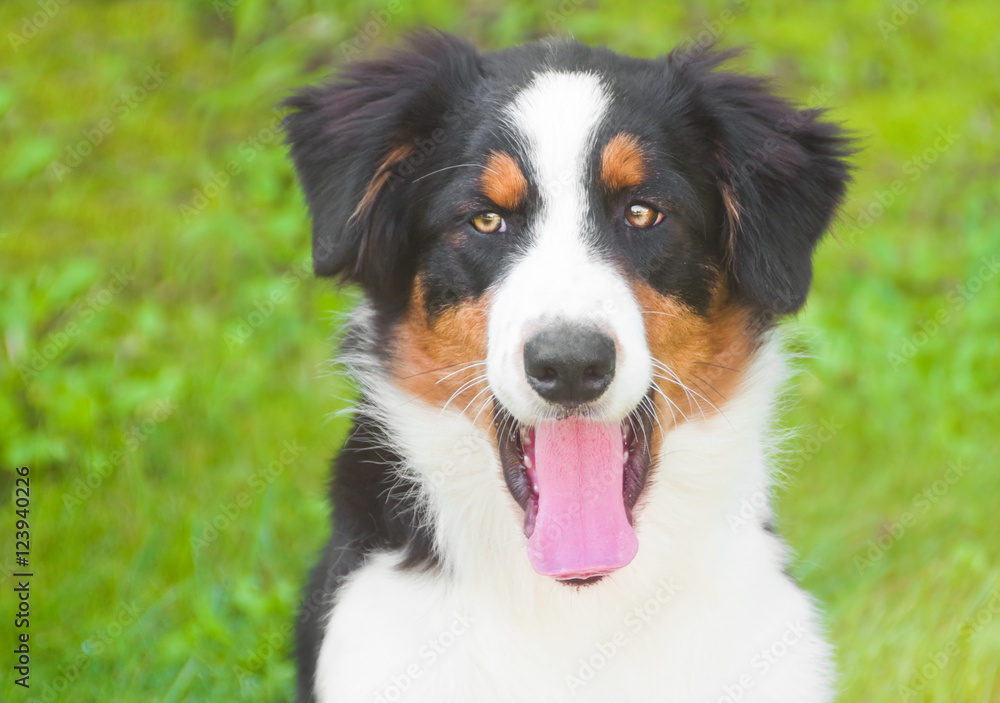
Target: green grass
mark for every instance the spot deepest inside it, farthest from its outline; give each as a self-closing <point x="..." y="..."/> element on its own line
<point x="187" y="339"/>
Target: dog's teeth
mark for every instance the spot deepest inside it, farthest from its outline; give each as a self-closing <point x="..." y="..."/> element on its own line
<point x="525" y="438"/>
<point x="527" y="461"/>
<point x="625" y="456"/>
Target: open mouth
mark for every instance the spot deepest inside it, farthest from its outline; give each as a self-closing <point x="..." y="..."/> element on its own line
<point x="577" y="481"/>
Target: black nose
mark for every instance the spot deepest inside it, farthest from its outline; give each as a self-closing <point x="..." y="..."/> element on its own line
<point x="569" y="364"/>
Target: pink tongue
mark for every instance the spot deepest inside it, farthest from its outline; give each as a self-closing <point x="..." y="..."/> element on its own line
<point x="581" y="529"/>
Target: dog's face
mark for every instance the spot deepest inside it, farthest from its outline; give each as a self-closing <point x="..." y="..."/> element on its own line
<point x="577" y="250"/>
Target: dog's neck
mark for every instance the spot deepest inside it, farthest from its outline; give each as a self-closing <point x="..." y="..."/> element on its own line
<point x="706" y="497"/>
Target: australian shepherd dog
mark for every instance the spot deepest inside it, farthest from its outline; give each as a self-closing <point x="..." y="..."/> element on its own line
<point x="572" y="265"/>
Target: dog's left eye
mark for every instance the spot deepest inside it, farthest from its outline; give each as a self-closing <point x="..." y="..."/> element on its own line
<point x="489" y="223"/>
<point x="642" y="216"/>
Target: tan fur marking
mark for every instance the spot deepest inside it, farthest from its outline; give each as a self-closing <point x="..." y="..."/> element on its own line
<point x="733" y="210"/>
<point x="437" y="361"/>
<point x="623" y="163"/>
<point x="382" y="175"/>
<point x="708" y="354"/>
<point x="503" y="182"/>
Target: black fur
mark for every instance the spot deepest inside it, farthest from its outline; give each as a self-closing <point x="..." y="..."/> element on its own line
<point x="340" y="133"/>
<point x="370" y="515"/>
<point x="786" y="170"/>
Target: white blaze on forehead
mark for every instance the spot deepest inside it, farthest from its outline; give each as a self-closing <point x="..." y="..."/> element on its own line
<point x="557" y="116"/>
<point x="562" y="275"/>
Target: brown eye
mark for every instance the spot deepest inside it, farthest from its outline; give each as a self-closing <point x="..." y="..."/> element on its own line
<point x="642" y="216"/>
<point x="489" y="223"/>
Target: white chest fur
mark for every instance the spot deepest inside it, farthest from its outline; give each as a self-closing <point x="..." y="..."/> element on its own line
<point x="703" y="614"/>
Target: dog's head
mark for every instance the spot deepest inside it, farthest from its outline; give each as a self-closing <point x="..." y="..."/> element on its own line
<point x="574" y="248"/>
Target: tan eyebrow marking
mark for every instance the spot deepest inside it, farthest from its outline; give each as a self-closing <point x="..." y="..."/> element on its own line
<point x="623" y="163"/>
<point x="503" y="182"/>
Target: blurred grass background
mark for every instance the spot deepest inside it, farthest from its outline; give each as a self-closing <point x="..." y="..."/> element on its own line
<point x="164" y="341"/>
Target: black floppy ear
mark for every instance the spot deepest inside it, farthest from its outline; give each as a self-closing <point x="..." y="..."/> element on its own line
<point x="358" y="143"/>
<point x="782" y="173"/>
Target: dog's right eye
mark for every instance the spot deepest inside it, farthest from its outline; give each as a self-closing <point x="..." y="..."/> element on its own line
<point x="489" y="223"/>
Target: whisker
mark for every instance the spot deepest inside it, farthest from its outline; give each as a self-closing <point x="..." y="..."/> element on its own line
<point x="718" y="366"/>
<point x="651" y="409"/>
<point x="467" y="384"/>
<point x="689" y="391"/>
<point x="506" y="424"/>
<point x="446" y="168"/>
<point x="485" y="404"/>
<point x="639" y="431"/>
<point x="485" y="389"/>
<point x="675" y="379"/>
<point x="439" y="368"/>
<point x="671" y="405"/>
<point x="468" y="366"/>
<point x="631" y="421"/>
<point x="713" y="388"/>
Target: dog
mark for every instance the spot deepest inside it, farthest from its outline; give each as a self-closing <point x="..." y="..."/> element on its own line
<point x="572" y="264"/>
